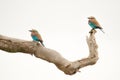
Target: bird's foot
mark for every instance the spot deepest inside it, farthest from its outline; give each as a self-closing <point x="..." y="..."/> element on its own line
<point x="92" y="31"/>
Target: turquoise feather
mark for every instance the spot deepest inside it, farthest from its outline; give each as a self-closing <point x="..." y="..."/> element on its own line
<point x="35" y="38"/>
<point x="92" y="25"/>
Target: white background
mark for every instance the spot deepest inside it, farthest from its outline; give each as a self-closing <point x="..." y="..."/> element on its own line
<point x="63" y="25"/>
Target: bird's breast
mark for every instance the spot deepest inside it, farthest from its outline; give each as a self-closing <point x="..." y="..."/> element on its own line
<point x="92" y="25"/>
<point x="35" y="38"/>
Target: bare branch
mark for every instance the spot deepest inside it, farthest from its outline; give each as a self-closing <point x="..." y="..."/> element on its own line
<point x="13" y="45"/>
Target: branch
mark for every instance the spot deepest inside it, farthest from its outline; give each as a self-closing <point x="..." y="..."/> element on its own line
<point x="13" y="45"/>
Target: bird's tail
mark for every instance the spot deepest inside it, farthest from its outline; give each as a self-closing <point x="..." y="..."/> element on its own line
<point x="102" y="30"/>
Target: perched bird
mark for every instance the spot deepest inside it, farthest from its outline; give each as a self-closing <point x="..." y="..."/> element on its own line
<point x="36" y="36"/>
<point x="94" y="23"/>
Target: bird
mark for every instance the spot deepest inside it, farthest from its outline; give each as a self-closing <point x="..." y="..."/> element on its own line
<point x="36" y="36"/>
<point x="94" y="24"/>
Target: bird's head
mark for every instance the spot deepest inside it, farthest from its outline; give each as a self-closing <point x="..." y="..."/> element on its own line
<point x="33" y="30"/>
<point x="91" y="17"/>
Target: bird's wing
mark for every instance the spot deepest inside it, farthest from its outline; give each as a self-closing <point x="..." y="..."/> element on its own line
<point x="39" y="36"/>
<point x="92" y="24"/>
<point x="95" y="22"/>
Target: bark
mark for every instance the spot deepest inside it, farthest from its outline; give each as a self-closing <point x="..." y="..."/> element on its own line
<point x="13" y="45"/>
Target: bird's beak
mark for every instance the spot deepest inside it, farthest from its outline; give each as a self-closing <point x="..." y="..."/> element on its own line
<point x="88" y="17"/>
<point x="30" y="30"/>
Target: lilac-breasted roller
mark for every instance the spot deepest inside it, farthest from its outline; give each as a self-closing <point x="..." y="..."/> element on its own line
<point x="36" y="36"/>
<point x="94" y="24"/>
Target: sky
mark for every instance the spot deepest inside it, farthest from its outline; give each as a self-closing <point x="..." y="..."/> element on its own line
<point x="63" y="25"/>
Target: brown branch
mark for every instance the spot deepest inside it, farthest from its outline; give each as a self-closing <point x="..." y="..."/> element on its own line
<point x="16" y="45"/>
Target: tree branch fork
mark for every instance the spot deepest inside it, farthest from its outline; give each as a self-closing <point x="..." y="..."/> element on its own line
<point x="13" y="45"/>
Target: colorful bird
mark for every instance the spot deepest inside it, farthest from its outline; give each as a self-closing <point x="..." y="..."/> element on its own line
<point x="36" y="36"/>
<point x="94" y="23"/>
